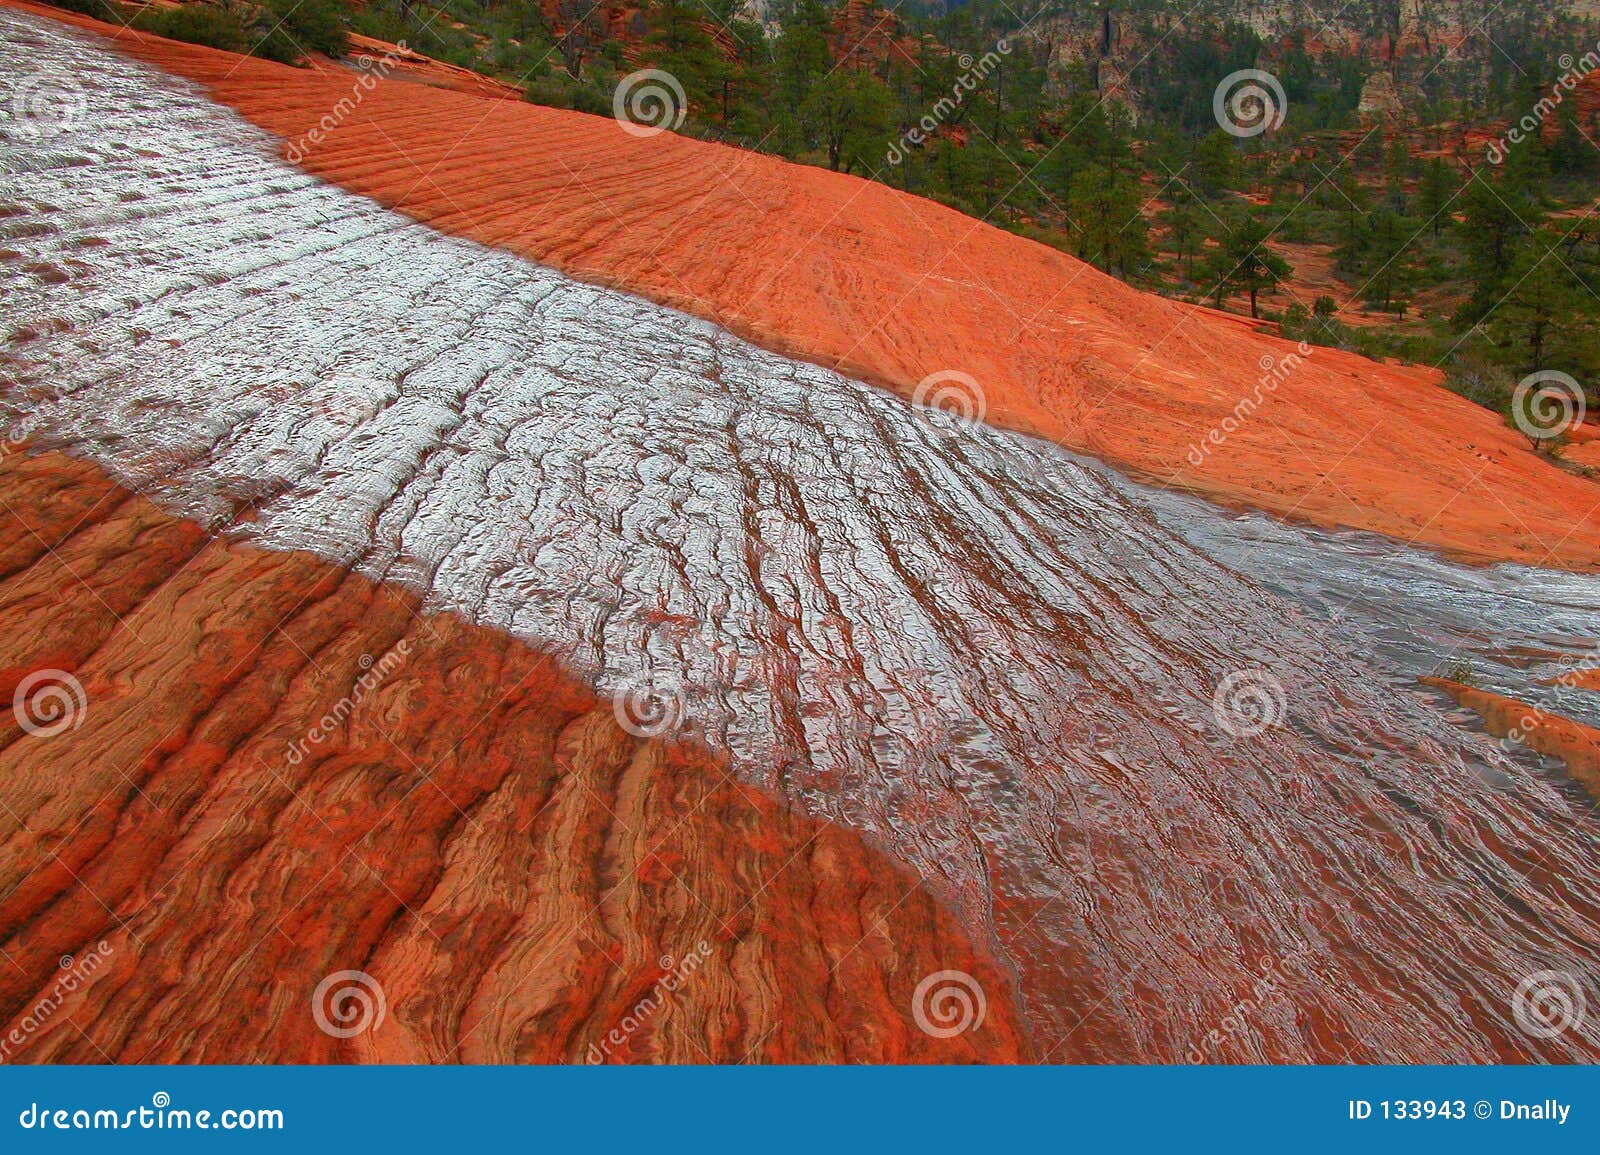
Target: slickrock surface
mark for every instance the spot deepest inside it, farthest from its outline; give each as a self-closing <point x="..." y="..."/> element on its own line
<point x="1574" y="743"/>
<point x="402" y="63"/>
<point x="1150" y="755"/>
<point x="1074" y="706"/>
<point x="475" y="833"/>
<point x="894" y="289"/>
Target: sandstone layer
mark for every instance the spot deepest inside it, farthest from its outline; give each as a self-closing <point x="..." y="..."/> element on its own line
<point x="1574" y="743"/>
<point x="900" y="291"/>
<point x="473" y="831"/>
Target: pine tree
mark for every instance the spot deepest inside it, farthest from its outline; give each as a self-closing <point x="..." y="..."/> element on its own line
<point x="1433" y="198"/>
<point x="851" y="113"/>
<point x="1245" y="264"/>
<point x="1109" y="229"/>
<point x="1541" y="319"/>
<point x="1388" y="265"/>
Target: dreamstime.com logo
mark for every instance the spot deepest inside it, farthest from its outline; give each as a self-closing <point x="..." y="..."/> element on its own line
<point x="1547" y="404"/>
<point x="1572" y="73"/>
<point x="42" y="106"/>
<point x="1274" y="372"/>
<point x="949" y="1003"/>
<point x="49" y="702"/>
<point x="1248" y="703"/>
<point x="649" y="102"/>
<point x="972" y="73"/>
<point x="1267" y="988"/>
<point x="1249" y="102"/>
<point x="348" y="1003"/>
<point x="76" y="974"/>
<point x="1549" y="1003"/>
<point x="160" y="1115"/>
<point x="675" y="974"/>
<point x="373" y="675"/>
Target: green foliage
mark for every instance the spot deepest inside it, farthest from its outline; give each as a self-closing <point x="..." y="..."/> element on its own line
<point x="1109" y="231"/>
<point x="1481" y="381"/>
<point x="1244" y="264"/>
<point x="196" y="24"/>
<point x="1498" y="216"/>
<point x="1213" y="165"/>
<point x="1543" y="318"/>
<point x="285" y="30"/>
<point x="1386" y="261"/>
<point x="281" y="30"/>
<point x="99" y="9"/>
<point x="848" y="114"/>
<point x="1438" y="189"/>
<point x="678" y="42"/>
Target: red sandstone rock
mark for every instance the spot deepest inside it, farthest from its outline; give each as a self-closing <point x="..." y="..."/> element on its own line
<point x="474" y="832"/>
<point x="1574" y="743"/>
<point x="892" y="288"/>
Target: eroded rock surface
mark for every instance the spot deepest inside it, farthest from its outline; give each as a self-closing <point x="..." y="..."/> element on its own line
<point x="471" y="829"/>
<point x="1135" y="772"/>
<point x="895" y="289"/>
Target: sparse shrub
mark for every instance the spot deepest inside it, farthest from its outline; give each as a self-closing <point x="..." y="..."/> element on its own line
<point x="1481" y="382"/>
<point x="288" y="29"/>
<point x="1296" y="319"/>
<point x="99" y="9"/>
<point x="204" y="24"/>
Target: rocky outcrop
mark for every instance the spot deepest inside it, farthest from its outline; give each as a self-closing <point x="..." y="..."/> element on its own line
<point x="865" y="34"/>
<point x="892" y="288"/>
<point x="1574" y="743"/>
<point x="388" y="59"/>
<point x="251" y="777"/>
<point x="1059" y="696"/>
<point x="1380" y="98"/>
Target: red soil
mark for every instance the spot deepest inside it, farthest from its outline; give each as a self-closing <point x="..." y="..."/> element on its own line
<point x="476" y="833"/>
<point x="892" y="288"/>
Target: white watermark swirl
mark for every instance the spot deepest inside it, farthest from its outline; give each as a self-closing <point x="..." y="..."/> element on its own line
<point x="348" y="1003"/>
<point x="1249" y="102"/>
<point x="1547" y="404"/>
<point x="49" y="702"/>
<point x="949" y="1003"/>
<point x="1248" y="703"/>
<point x="1548" y="1003"/>
<point x="648" y="709"/>
<point x="648" y="102"/>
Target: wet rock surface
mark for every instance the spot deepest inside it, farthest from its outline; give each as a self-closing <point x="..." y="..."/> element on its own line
<point x="1088" y="717"/>
<point x="268" y="811"/>
<point x="896" y="290"/>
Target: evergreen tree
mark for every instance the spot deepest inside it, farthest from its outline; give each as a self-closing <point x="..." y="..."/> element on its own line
<point x="1108" y="228"/>
<point x="1388" y="262"/>
<point x="676" y="35"/>
<point x="1495" y="224"/>
<point x="1245" y="264"/>
<point x="1433" y="198"/>
<point x="850" y="113"/>
<point x="1541" y="320"/>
